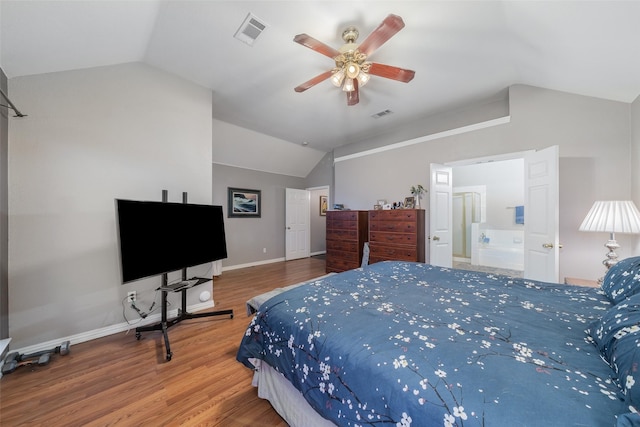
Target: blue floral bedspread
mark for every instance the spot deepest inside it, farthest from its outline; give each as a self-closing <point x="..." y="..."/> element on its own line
<point x="409" y="344"/>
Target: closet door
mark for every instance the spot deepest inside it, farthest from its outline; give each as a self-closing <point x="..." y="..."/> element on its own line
<point x="297" y="228"/>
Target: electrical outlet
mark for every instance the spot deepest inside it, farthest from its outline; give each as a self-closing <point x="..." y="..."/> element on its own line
<point x="264" y="250"/>
<point x="131" y="296"/>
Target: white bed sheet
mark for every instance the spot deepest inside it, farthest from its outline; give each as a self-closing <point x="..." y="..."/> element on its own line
<point x="285" y="398"/>
<point x="254" y="303"/>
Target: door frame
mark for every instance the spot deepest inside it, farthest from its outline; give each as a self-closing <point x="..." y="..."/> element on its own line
<point x="312" y="189"/>
<point x="494" y="158"/>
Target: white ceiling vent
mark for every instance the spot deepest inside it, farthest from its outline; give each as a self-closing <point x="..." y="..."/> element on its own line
<point x="250" y="29"/>
<point x="381" y="113"/>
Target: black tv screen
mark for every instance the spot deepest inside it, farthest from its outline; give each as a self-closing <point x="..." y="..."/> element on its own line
<point x="158" y="237"/>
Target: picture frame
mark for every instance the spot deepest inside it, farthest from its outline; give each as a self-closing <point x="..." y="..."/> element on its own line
<point x="377" y="207"/>
<point x="410" y="202"/>
<point x="324" y="202"/>
<point x="244" y="203"/>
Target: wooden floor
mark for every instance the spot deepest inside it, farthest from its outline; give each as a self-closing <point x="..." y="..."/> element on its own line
<point x="118" y="380"/>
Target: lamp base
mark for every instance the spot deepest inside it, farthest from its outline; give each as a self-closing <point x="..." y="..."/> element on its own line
<point x="612" y="256"/>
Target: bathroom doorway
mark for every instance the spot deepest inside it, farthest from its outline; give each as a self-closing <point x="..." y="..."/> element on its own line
<point x="483" y="198"/>
<point x="466" y="205"/>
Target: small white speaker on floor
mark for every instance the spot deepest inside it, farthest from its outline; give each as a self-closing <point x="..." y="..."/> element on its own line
<point x="205" y="296"/>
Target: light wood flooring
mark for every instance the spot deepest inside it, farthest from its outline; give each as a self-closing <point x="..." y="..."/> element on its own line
<point x="119" y="381"/>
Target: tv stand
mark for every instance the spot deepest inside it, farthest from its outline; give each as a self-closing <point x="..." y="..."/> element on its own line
<point x="183" y="314"/>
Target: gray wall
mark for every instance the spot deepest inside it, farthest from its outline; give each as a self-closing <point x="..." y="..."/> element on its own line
<point x="594" y="137"/>
<point x="497" y="106"/>
<point x="91" y="136"/>
<point x="247" y="237"/>
<point x="4" y="213"/>
<point x="322" y="173"/>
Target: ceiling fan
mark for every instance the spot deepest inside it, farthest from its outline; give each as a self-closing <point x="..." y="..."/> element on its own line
<point x="352" y="69"/>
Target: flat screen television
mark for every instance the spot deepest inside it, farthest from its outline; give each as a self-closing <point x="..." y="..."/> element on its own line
<point x="160" y="237"/>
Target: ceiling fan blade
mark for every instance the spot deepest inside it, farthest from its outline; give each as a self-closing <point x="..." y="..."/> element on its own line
<point x="318" y="46"/>
<point x="387" y="29"/>
<point x="353" y="97"/>
<point x="390" y="72"/>
<point x="314" y="81"/>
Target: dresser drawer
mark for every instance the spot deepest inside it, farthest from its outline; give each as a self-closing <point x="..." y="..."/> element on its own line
<point x="342" y="234"/>
<point x="337" y="263"/>
<point x="393" y="238"/>
<point x="394" y="215"/>
<point x="343" y="215"/>
<point x="343" y="245"/>
<point x="344" y="255"/>
<point x="342" y="224"/>
<point x="395" y="226"/>
<point x="399" y="253"/>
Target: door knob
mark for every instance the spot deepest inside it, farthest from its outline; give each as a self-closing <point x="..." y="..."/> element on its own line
<point x="435" y="238"/>
<point x="547" y="245"/>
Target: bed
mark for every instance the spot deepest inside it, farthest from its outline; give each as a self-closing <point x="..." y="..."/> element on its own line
<point x="410" y="344"/>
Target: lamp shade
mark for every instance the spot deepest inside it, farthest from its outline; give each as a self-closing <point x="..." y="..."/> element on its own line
<point x="612" y="216"/>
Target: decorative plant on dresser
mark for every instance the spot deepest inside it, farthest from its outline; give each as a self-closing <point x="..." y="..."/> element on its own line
<point x="396" y="235"/>
<point x="347" y="232"/>
<point x="417" y="192"/>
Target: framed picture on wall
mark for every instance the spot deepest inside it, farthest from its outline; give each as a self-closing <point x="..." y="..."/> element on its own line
<point x="244" y="203"/>
<point x="323" y="205"/>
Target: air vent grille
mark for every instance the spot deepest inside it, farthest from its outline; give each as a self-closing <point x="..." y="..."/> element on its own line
<point x="250" y="29"/>
<point x="381" y="113"/>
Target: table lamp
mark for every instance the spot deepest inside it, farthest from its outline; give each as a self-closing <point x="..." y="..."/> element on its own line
<point x="612" y="216"/>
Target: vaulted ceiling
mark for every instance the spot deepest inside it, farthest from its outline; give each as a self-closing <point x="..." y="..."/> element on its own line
<point x="463" y="52"/>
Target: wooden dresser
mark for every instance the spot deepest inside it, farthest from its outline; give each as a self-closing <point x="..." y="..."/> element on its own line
<point x="347" y="231"/>
<point x="396" y="235"/>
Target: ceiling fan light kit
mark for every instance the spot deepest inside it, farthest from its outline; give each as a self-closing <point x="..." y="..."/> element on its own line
<point x="352" y="70"/>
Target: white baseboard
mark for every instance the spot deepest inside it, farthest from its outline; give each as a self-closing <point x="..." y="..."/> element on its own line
<point x="251" y="264"/>
<point x="110" y="330"/>
<point x="268" y="261"/>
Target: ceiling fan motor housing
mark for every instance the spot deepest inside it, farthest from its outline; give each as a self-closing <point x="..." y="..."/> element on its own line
<point x="350" y="35"/>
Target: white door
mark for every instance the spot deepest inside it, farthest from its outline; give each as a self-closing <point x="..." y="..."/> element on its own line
<point x="541" y="216"/>
<point x="297" y="228"/>
<point x="440" y="200"/>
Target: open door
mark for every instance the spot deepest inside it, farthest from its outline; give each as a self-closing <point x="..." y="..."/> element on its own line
<point x="440" y="199"/>
<point x="297" y="227"/>
<point x="541" y="216"/>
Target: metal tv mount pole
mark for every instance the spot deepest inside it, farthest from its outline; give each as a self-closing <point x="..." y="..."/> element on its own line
<point x="13" y="107"/>
<point x="165" y="323"/>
